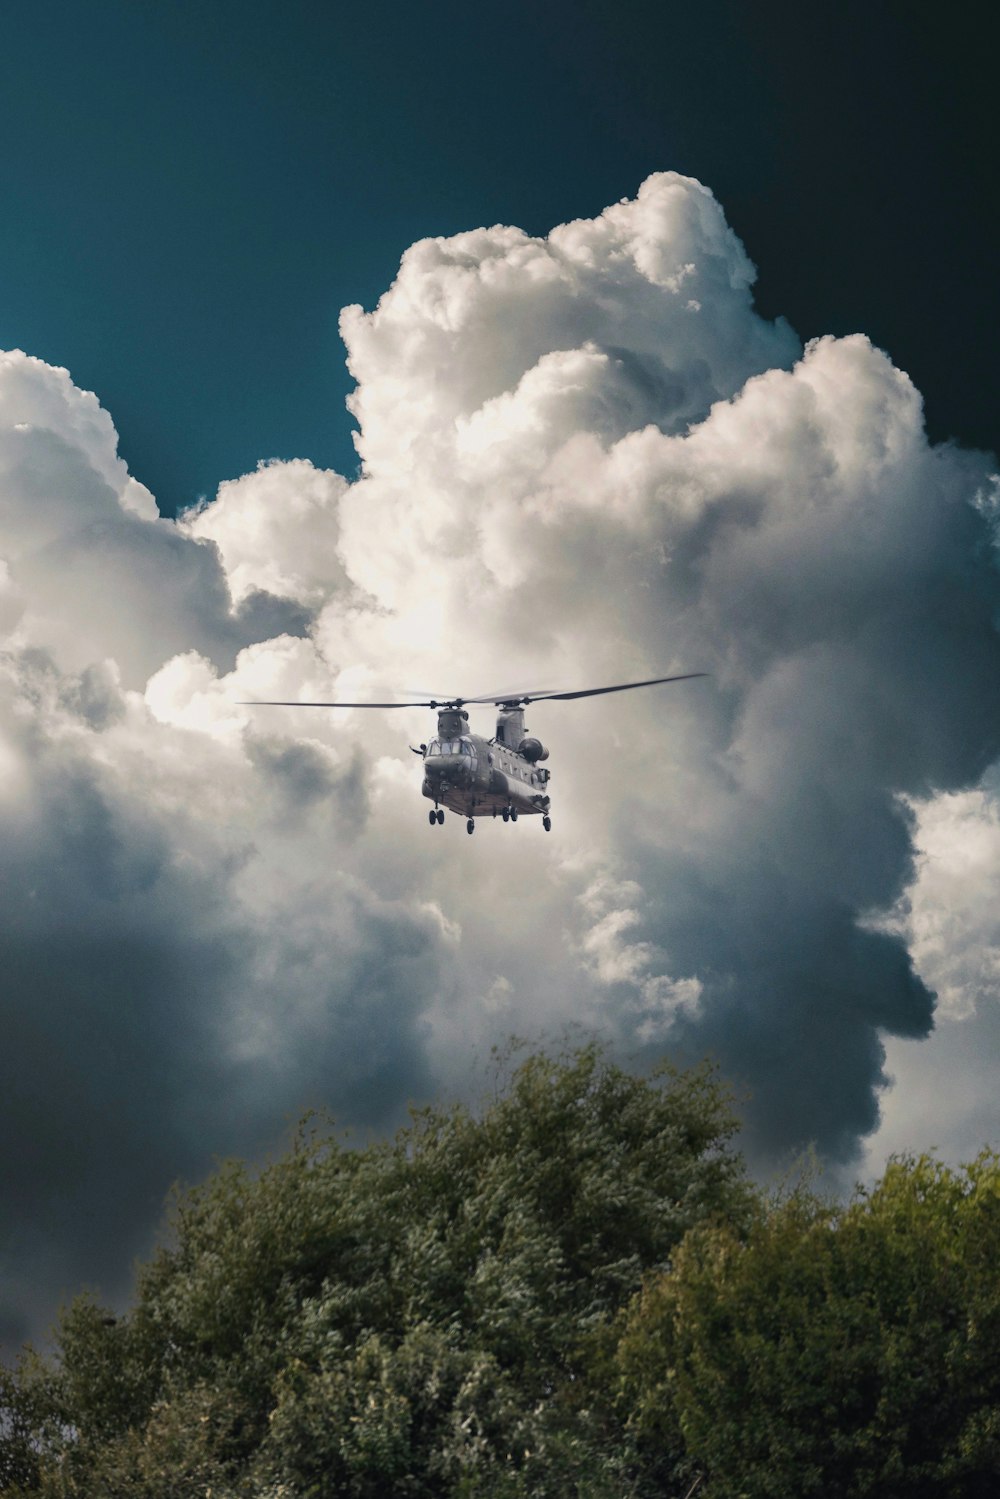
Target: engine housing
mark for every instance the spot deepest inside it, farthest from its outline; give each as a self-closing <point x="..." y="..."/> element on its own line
<point x="533" y="750"/>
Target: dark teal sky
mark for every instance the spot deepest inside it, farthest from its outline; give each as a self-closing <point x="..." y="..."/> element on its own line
<point x="190" y="192"/>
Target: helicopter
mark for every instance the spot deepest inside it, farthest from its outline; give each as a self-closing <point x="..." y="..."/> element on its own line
<point x="476" y="777"/>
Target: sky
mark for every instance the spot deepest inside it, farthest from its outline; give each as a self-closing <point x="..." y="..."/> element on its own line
<point x="351" y="352"/>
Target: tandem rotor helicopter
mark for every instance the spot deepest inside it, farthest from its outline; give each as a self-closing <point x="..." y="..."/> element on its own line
<point x="476" y="777"/>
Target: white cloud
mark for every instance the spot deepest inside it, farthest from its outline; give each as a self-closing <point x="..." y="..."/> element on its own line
<point x="585" y="459"/>
<point x="276" y="531"/>
<point x="950" y="914"/>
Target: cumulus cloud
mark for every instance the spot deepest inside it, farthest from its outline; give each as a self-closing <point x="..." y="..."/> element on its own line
<point x="950" y="915"/>
<point x="89" y="563"/>
<point x="944" y="1091"/>
<point x="276" y="531"/>
<point x="585" y="458"/>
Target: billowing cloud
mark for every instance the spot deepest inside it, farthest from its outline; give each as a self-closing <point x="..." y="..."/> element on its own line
<point x="585" y="459"/>
<point x="945" y="1090"/>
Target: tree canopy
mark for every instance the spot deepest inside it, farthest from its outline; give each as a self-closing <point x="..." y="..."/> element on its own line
<point x="572" y="1292"/>
<point x="424" y="1316"/>
<point x="845" y="1350"/>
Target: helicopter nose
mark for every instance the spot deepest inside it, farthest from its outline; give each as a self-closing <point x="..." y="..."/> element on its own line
<point x="441" y="767"/>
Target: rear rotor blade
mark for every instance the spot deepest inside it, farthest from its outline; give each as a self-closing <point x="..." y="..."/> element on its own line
<point x="564" y="697"/>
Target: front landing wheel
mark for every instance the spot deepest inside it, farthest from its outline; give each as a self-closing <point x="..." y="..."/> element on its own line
<point x="547" y="824"/>
<point x="432" y="817"/>
<point x="440" y="814"/>
<point x="470" y="826"/>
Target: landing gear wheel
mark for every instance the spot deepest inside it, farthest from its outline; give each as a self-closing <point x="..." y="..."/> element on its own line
<point x="470" y="826"/>
<point x="432" y="817"/>
<point x="440" y="814"/>
<point x="513" y="814"/>
<point x="505" y="814"/>
<point x="547" y="824"/>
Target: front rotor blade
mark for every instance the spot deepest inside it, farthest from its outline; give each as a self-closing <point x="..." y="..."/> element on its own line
<point x="261" y="703"/>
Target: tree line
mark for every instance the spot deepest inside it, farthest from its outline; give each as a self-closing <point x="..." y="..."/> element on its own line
<point x="573" y="1291"/>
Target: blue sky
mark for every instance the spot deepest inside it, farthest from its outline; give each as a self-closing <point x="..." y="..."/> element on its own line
<point x="595" y="450"/>
<point x="191" y="192"/>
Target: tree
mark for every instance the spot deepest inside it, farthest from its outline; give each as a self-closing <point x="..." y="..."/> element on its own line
<point x="427" y="1316"/>
<point x="846" y="1351"/>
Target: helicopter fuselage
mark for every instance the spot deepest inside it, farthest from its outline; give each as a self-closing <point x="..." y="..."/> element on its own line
<point x="477" y="777"/>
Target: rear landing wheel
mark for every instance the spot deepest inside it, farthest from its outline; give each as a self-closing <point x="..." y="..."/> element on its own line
<point x="440" y="814"/>
<point x="432" y="817"/>
<point x="505" y="814"/>
<point x="547" y="824"/>
<point x="513" y="814"/>
<point x="470" y="826"/>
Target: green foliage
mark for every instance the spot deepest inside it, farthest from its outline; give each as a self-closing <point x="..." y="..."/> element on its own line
<point x="430" y="1316"/>
<point x="832" y="1351"/>
<point x="573" y="1293"/>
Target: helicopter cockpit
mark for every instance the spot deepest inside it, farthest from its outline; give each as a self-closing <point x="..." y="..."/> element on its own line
<point x="449" y="747"/>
